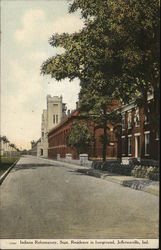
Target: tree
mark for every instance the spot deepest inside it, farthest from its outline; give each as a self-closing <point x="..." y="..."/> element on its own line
<point x="131" y="29"/>
<point x="115" y="55"/>
<point x="80" y="137"/>
<point x="101" y="111"/>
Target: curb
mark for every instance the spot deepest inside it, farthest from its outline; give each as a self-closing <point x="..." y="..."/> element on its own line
<point x="154" y="190"/>
<point x="86" y="170"/>
<point x="63" y="164"/>
<point x="7" y="172"/>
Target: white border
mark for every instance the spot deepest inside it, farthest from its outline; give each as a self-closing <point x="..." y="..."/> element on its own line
<point x="79" y="244"/>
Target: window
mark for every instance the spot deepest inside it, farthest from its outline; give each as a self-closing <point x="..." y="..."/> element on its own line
<point x="137" y="118"/>
<point x="123" y="120"/>
<point x="129" y="119"/>
<point x="42" y="134"/>
<point x="56" y="118"/>
<point x="157" y="136"/>
<point x="147" y="143"/>
<point x="129" y="145"/>
<point x="137" y="146"/>
<point x="123" y="146"/>
<point x="146" y="119"/>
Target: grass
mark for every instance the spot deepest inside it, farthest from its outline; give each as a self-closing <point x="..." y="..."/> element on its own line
<point x="6" y="162"/>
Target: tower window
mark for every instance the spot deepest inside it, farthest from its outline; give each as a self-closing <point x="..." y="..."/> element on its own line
<point x="56" y="118"/>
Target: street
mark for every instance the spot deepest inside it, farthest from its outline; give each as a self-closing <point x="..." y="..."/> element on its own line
<point x="44" y="201"/>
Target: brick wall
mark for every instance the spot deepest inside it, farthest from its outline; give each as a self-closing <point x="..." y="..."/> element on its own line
<point x="58" y="136"/>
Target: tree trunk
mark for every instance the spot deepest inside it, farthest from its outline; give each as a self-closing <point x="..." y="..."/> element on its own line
<point x="94" y="144"/>
<point x="104" y="134"/>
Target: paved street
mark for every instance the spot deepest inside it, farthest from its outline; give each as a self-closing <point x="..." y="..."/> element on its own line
<point x="39" y="200"/>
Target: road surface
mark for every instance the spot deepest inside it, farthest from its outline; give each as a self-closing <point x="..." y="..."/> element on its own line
<point x="44" y="201"/>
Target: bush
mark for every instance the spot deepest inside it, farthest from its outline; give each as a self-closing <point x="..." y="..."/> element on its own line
<point x="149" y="172"/>
<point x="134" y="168"/>
<point x="149" y="162"/>
<point x="116" y="167"/>
<point x="97" y="164"/>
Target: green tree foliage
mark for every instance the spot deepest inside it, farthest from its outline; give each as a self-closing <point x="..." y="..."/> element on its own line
<point x="115" y="55"/>
<point x="130" y="30"/>
<point x="98" y="108"/>
<point x="80" y="137"/>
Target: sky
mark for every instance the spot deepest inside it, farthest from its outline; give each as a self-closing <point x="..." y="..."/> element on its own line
<point x="26" y="26"/>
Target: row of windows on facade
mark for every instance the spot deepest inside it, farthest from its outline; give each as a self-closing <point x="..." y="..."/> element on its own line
<point x="137" y="141"/>
<point x="136" y="119"/>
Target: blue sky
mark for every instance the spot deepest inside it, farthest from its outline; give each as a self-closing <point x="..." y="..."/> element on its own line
<point x="26" y="27"/>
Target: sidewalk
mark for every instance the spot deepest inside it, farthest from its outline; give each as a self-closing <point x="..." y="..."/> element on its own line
<point x="140" y="184"/>
<point x="64" y="164"/>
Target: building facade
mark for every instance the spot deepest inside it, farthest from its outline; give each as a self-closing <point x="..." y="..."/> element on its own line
<point x="51" y="117"/>
<point x="57" y="138"/>
<point x="139" y="139"/>
<point x="34" y="147"/>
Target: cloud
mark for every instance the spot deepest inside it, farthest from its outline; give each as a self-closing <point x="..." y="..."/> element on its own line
<point x="24" y="90"/>
<point x="25" y="79"/>
<point x="36" y="27"/>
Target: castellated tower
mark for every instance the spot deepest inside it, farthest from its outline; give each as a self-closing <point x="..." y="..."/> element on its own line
<point x="51" y="117"/>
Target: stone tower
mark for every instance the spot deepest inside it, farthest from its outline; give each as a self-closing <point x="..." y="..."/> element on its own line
<point x="51" y="117"/>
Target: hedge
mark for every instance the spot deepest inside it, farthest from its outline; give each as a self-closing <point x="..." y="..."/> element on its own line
<point x="149" y="172"/>
<point x="141" y="169"/>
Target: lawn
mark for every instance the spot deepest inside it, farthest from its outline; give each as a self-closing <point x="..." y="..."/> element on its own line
<point x="6" y="162"/>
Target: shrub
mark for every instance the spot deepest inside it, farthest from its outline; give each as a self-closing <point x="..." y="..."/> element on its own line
<point x="149" y="172"/>
<point x="97" y="164"/>
<point x="153" y="173"/>
<point x="149" y="162"/>
<point x="134" y="168"/>
<point x="116" y="167"/>
<point x="106" y="166"/>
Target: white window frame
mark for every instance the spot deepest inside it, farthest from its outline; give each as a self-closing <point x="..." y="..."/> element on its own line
<point x="136" y="146"/>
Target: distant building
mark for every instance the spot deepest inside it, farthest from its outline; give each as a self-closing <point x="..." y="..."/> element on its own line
<point x="51" y="117"/>
<point x="7" y="148"/>
<point x="34" y="147"/>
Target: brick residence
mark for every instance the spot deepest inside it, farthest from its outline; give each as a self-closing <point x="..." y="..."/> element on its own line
<point x="139" y="139"/>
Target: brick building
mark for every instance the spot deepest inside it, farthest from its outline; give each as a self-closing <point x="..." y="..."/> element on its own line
<point x="139" y="139"/>
<point x="57" y="138"/>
